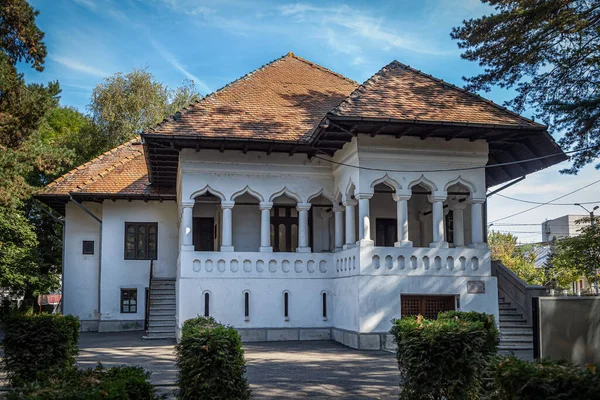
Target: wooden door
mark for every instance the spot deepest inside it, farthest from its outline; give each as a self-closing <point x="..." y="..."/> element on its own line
<point x="204" y="238"/>
<point x="386" y="232"/>
<point x="427" y="306"/>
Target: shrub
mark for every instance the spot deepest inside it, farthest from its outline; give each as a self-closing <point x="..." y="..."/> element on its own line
<point x="544" y="380"/>
<point x="38" y="348"/>
<point x="488" y="321"/>
<point x="119" y="383"/>
<point x="443" y="359"/>
<point x="211" y="362"/>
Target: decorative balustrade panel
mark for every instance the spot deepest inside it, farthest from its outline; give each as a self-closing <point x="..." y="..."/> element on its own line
<point x="255" y="264"/>
<point x="366" y="260"/>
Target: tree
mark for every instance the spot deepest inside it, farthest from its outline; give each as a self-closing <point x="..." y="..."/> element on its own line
<point x="503" y="247"/>
<point x="548" y="50"/>
<point x="124" y="105"/>
<point x="561" y="275"/>
<point x="581" y="253"/>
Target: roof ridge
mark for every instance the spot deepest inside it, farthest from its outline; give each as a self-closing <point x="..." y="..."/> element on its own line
<point x="211" y="95"/>
<point x="463" y="90"/>
<point x="93" y="160"/>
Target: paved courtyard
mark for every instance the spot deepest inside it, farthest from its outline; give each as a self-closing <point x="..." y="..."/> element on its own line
<point x="275" y="370"/>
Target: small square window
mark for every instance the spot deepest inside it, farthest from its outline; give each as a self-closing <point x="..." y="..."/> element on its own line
<point x="88" y="247"/>
<point x="128" y="301"/>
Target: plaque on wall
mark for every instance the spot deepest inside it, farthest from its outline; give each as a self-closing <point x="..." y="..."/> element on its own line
<point x="476" y="287"/>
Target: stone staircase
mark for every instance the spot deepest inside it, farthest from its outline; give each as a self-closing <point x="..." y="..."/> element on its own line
<point x="161" y="324"/>
<point x="516" y="335"/>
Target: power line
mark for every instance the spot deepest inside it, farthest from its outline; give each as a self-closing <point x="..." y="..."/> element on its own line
<point x="538" y="202"/>
<point x="447" y="169"/>
<point x="543" y="204"/>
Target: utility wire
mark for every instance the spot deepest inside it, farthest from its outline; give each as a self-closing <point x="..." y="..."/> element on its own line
<point x="543" y="204"/>
<point x="446" y="169"/>
<point x="538" y="202"/>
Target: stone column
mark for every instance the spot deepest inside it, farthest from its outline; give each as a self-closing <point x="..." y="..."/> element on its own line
<point x="437" y="214"/>
<point x="265" y="227"/>
<point x="187" y="223"/>
<point x="364" y="223"/>
<point x="303" y="227"/>
<point x="477" y="223"/>
<point x="338" y="210"/>
<point x="350" y="225"/>
<point x="458" y="211"/>
<point x="402" y="220"/>
<point x="227" y="228"/>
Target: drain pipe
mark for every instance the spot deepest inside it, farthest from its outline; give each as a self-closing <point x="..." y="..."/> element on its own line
<point x="91" y="214"/>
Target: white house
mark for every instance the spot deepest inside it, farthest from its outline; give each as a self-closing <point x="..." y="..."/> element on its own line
<point x="295" y="203"/>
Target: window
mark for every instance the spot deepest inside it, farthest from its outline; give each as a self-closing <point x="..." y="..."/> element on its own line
<point x="286" y="303"/>
<point x="88" y="247"/>
<point x="141" y="240"/>
<point x="247" y="305"/>
<point x="324" y="305"/>
<point x="128" y="301"/>
<point x="206" y="304"/>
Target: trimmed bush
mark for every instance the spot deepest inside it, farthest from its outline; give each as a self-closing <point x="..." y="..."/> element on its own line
<point x="39" y="348"/>
<point x="211" y="361"/>
<point x="488" y="321"/>
<point x="119" y="383"/>
<point x="544" y="380"/>
<point x="445" y="358"/>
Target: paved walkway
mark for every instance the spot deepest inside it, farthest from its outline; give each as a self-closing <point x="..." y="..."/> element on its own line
<point x="275" y="370"/>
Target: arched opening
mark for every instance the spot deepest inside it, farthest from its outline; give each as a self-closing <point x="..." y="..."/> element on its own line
<point x="457" y="215"/>
<point x="321" y="237"/>
<point x="383" y="216"/>
<point x="420" y="222"/>
<point x="246" y="223"/>
<point x="206" y="215"/>
<point x="284" y="224"/>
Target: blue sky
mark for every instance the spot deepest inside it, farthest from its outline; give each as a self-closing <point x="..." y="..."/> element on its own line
<point x="214" y="43"/>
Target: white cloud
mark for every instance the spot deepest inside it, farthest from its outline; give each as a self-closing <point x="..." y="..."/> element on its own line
<point x="171" y="59"/>
<point x="78" y="66"/>
<point x="351" y="24"/>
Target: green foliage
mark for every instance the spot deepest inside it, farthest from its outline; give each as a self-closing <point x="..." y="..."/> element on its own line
<point x="211" y="361"/>
<point x="503" y="247"/>
<point x="580" y="253"/>
<point x="39" y="348"/>
<point x="549" y="51"/>
<point x="124" y="105"/>
<point x="444" y="359"/>
<point x="544" y="380"/>
<point x="119" y="383"/>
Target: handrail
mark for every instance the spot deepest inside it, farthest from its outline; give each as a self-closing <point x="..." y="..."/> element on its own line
<point x="516" y="290"/>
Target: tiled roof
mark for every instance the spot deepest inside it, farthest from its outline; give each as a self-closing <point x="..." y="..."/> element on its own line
<point x="400" y="92"/>
<point x="121" y="170"/>
<point x="283" y="101"/>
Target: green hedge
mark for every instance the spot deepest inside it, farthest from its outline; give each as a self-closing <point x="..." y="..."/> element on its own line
<point x="38" y="348"/>
<point x="211" y="361"/>
<point x="118" y="383"/>
<point x="445" y="358"/>
<point x="544" y="380"/>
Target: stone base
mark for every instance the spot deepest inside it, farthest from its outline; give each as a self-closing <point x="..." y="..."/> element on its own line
<point x="303" y="250"/>
<point x="227" y="248"/>
<point x="121" y="325"/>
<point x="89" y="325"/>
<point x="364" y="341"/>
<point x="403" y="243"/>
<point x="439" y="245"/>
<point x="249" y="335"/>
<point x="266" y="249"/>
<point x="478" y="245"/>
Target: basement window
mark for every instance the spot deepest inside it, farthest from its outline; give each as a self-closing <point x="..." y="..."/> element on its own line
<point x="128" y="301"/>
<point x="141" y="239"/>
<point x="286" y="305"/>
<point x="88" y="247"/>
<point x="206" y="304"/>
<point x="247" y="306"/>
<point x="324" y="305"/>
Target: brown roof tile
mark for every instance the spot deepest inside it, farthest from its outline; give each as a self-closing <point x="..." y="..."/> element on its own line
<point x="403" y="93"/>
<point x="121" y="170"/>
<point x="283" y="100"/>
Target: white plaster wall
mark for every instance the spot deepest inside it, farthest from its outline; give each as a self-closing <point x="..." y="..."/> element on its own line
<point x="119" y="273"/>
<point x="80" y="291"/>
<point x="266" y="301"/>
<point x="379" y="296"/>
